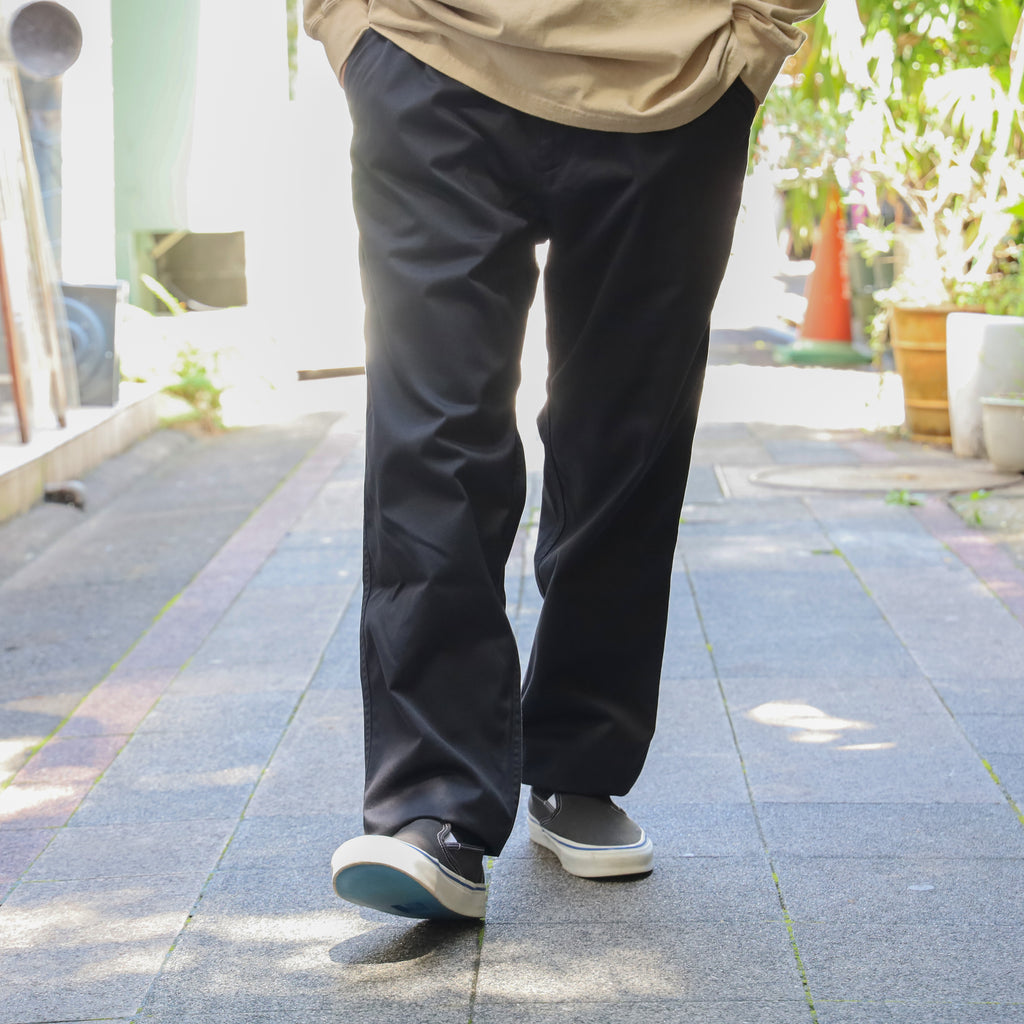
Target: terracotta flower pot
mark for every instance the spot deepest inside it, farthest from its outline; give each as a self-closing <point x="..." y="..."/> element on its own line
<point x="918" y="337"/>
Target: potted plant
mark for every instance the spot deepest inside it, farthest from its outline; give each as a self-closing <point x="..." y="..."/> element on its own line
<point x="1002" y="418"/>
<point x="984" y="357"/>
<point x="941" y="147"/>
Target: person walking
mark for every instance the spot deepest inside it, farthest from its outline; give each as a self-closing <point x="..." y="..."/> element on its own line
<point x="617" y="132"/>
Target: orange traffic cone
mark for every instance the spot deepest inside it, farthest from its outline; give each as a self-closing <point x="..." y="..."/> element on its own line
<point x="825" y="336"/>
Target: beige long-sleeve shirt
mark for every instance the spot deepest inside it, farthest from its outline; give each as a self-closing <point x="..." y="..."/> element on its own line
<point x="613" y="65"/>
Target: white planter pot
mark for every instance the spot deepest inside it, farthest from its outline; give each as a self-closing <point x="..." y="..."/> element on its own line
<point x="984" y="356"/>
<point x="1003" y="428"/>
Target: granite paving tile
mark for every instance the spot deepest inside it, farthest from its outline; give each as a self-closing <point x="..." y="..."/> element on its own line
<point x="739" y="1011"/>
<point x="264" y="941"/>
<point x="19" y="847"/>
<point x="141" y="848"/>
<point x="39" y="804"/>
<point x="238" y="469"/>
<point x="226" y="677"/>
<point x="710" y="432"/>
<point x="72" y="759"/>
<point x="1009" y="770"/>
<point x="537" y="891"/>
<point x="686" y="653"/>
<point x="892" y="830"/>
<point x="339" y="666"/>
<point x="688" y="779"/>
<point x="702" y="485"/>
<point x="25" y="721"/>
<point x="213" y="714"/>
<point x="335" y="511"/>
<point x="963" y="962"/>
<point x="902" y="759"/>
<point x="939" y="893"/>
<point x="719" y="526"/>
<point x="820" y="624"/>
<point x="120" y="702"/>
<point x="887" y="542"/>
<point x="179" y="776"/>
<point x="804" y="698"/>
<point x="261" y="629"/>
<point x="995" y="733"/>
<point x="787" y="547"/>
<point x="87" y="949"/>
<point x="392" y="1010"/>
<point x="718" y="829"/>
<point x="318" y="767"/>
<point x="769" y="510"/>
<point x="733" y="454"/>
<point x="981" y="695"/>
<point x="953" y="626"/>
<point x="809" y="452"/>
<point x="120" y="549"/>
<point x="693" y="960"/>
<point x="291" y="843"/>
<point x="904" y="1012"/>
<point x="31" y="672"/>
<point x="30" y="535"/>
<point x="89" y="628"/>
<point x="692" y="714"/>
<point x="335" y="566"/>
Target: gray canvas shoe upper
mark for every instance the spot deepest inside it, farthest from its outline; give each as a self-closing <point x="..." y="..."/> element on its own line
<point x="437" y="839"/>
<point x="587" y="820"/>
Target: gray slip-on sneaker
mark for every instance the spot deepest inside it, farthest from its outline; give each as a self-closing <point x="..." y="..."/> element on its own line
<point x="591" y="836"/>
<point x="421" y="871"/>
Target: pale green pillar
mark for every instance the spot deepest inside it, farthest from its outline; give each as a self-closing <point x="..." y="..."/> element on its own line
<point x="155" y="51"/>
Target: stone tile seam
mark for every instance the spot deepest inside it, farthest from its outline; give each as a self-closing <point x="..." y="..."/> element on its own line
<point x="242" y="815"/>
<point x="269" y="524"/>
<point x="985" y="557"/>
<point x="974" y="550"/>
<point x="209" y="876"/>
<point x="787" y="919"/>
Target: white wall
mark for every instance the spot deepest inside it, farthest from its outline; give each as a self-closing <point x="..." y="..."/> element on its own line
<point x="279" y="170"/>
<point x="88" y="151"/>
<point x="309" y="268"/>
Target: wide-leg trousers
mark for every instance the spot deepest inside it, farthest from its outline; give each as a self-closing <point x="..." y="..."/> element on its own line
<point x="453" y="191"/>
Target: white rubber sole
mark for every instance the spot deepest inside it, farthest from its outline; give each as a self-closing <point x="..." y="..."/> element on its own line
<point x="595" y="861"/>
<point x="399" y="878"/>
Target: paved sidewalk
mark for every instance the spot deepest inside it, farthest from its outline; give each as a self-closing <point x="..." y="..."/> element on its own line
<point x="835" y="792"/>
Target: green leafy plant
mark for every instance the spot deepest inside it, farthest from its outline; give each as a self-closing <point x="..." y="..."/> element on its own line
<point x="196" y="386"/>
<point x="1002" y="294"/>
<point x="902" y="497"/>
<point x="977" y="496"/>
<point x="918" y="109"/>
<point x="940" y="142"/>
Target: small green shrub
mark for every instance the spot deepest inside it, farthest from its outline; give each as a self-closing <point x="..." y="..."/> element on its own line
<point x="196" y="386"/>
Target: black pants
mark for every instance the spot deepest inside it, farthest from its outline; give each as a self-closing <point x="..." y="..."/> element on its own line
<point x="452" y="192"/>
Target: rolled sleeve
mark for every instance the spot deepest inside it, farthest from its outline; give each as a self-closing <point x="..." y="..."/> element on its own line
<point x="767" y="35"/>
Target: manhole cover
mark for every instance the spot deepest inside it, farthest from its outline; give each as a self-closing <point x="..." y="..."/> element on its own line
<point x="944" y="479"/>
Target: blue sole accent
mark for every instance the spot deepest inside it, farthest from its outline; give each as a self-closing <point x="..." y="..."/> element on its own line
<point x="383" y="888"/>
